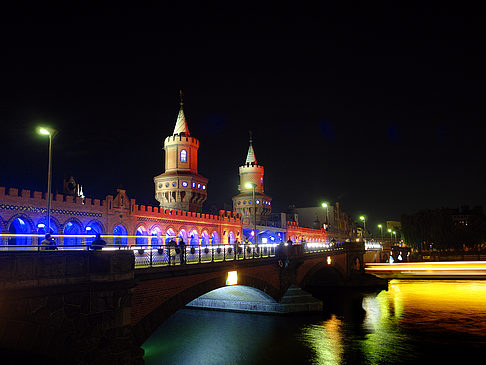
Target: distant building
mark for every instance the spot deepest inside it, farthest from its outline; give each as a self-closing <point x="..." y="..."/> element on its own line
<point x="394" y="225"/>
<point x="340" y="225"/>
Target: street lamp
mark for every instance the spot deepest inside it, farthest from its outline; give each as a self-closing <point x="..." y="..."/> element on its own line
<point x="381" y="230"/>
<point x="51" y="133"/>
<point x="325" y="205"/>
<point x="391" y="238"/>
<point x="395" y="234"/>
<point x="363" y="218"/>
<point x="252" y="186"/>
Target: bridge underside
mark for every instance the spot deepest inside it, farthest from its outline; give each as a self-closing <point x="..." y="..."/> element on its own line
<point x="242" y="298"/>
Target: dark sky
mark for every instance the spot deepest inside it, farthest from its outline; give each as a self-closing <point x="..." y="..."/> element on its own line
<point x="379" y="108"/>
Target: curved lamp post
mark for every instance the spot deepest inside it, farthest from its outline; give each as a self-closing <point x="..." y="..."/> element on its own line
<point x="51" y="133"/>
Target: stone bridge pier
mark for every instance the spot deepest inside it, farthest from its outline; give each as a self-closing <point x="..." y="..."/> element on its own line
<point x="67" y="307"/>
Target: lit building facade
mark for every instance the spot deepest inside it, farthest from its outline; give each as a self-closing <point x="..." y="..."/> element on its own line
<point x="180" y="191"/>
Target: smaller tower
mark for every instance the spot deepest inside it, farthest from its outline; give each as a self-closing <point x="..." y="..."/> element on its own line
<point x="251" y="173"/>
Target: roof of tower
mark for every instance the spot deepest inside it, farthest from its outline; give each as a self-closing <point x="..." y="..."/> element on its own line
<point x="181" y="124"/>
<point x="250" y="157"/>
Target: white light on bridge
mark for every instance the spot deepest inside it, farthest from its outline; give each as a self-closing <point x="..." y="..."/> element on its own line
<point x="232" y="278"/>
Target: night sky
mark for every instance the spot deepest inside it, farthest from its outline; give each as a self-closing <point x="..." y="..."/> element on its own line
<point x="379" y="108"/>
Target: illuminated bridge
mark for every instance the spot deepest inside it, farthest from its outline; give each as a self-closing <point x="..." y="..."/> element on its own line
<point x="100" y="306"/>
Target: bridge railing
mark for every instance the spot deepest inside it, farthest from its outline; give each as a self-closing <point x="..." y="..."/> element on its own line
<point x="165" y="255"/>
<point x="314" y="247"/>
<point x="154" y="256"/>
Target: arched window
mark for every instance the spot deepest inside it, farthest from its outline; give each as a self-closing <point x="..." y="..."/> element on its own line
<point x="194" y="238"/>
<point x="72" y="234"/>
<point x="231" y="238"/>
<point x="141" y="238"/>
<point x="19" y="227"/>
<point x="120" y="235"/>
<point x="169" y="235"/>
<point x="42" y="229"/>
<point x="182" y="235"/>
<point x="92" y="229"/>
<point x="214" y="238"/>
<point x="155" y="236"/>
<point x="204" y="239"/>
<point x="183" y="156"/>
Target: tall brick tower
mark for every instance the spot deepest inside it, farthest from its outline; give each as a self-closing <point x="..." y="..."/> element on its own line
<point x="252" y="173"/>
<point x="180" y="187"/>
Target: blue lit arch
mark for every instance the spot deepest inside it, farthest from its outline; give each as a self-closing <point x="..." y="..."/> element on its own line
<point x="155" y="235"/>
<point x="41" y="228"/>
<point x="73" y="229"/>
<point x="214" y="238"/>
<point x="92" y="229"/>
<point x="141" y="234"/>
<point x="20" y="225"/>
<point x="204" y="238"/>
<point x="182" y="235"/>
<point x="169" y="235"/>
<point x="120" y="235"/>
<point x="194" y="238"/>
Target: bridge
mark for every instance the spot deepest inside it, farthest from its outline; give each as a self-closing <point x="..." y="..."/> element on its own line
<point x="80" y="306"/>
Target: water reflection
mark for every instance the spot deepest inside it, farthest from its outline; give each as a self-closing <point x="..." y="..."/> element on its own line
<point x="412" y="322"/>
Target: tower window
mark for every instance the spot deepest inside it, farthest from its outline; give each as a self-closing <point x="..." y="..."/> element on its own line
<point x="183" y="156"/>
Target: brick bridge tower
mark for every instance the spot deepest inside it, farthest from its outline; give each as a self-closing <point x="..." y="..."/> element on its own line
<point x="252" y="173"/>
<point x="180" y="187"/>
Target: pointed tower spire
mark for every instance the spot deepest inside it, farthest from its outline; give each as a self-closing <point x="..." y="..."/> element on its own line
<point x="181" y="124"/>
<point x="250" y="157"/>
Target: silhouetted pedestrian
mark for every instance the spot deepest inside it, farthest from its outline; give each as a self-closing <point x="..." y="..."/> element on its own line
<point x="182" y="247"/>
<point x="98" y="243"/>
<point x="46" y="242"/>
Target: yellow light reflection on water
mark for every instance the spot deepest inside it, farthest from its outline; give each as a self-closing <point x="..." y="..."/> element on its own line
<point x="326" y="341"/>
<point x="434" y="305"/>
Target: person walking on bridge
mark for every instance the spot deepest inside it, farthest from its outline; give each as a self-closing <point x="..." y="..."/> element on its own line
<point x="46" y="243"/>
<point x="182" y="247"/>
<point x="98" y="243"/>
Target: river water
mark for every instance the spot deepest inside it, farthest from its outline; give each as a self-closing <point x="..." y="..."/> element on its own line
<point x="412" y="322"/>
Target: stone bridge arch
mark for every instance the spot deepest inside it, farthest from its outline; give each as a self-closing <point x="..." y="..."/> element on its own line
<point x="144" y="324"/>
<point x="323" y="274"/>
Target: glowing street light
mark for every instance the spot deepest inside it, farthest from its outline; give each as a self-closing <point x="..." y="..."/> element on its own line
<point x="395" y="234"/>
<point x="391" y="233"/>
<point x="325" y="205"/>
<point x="51" y="133"/>
<point x="363" y="218"/>
<point x="252" y="186"/>
<point x="381" y="230"/>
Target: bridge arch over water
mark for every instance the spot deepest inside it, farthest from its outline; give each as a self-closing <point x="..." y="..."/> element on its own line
<point x="171" y="302"/>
